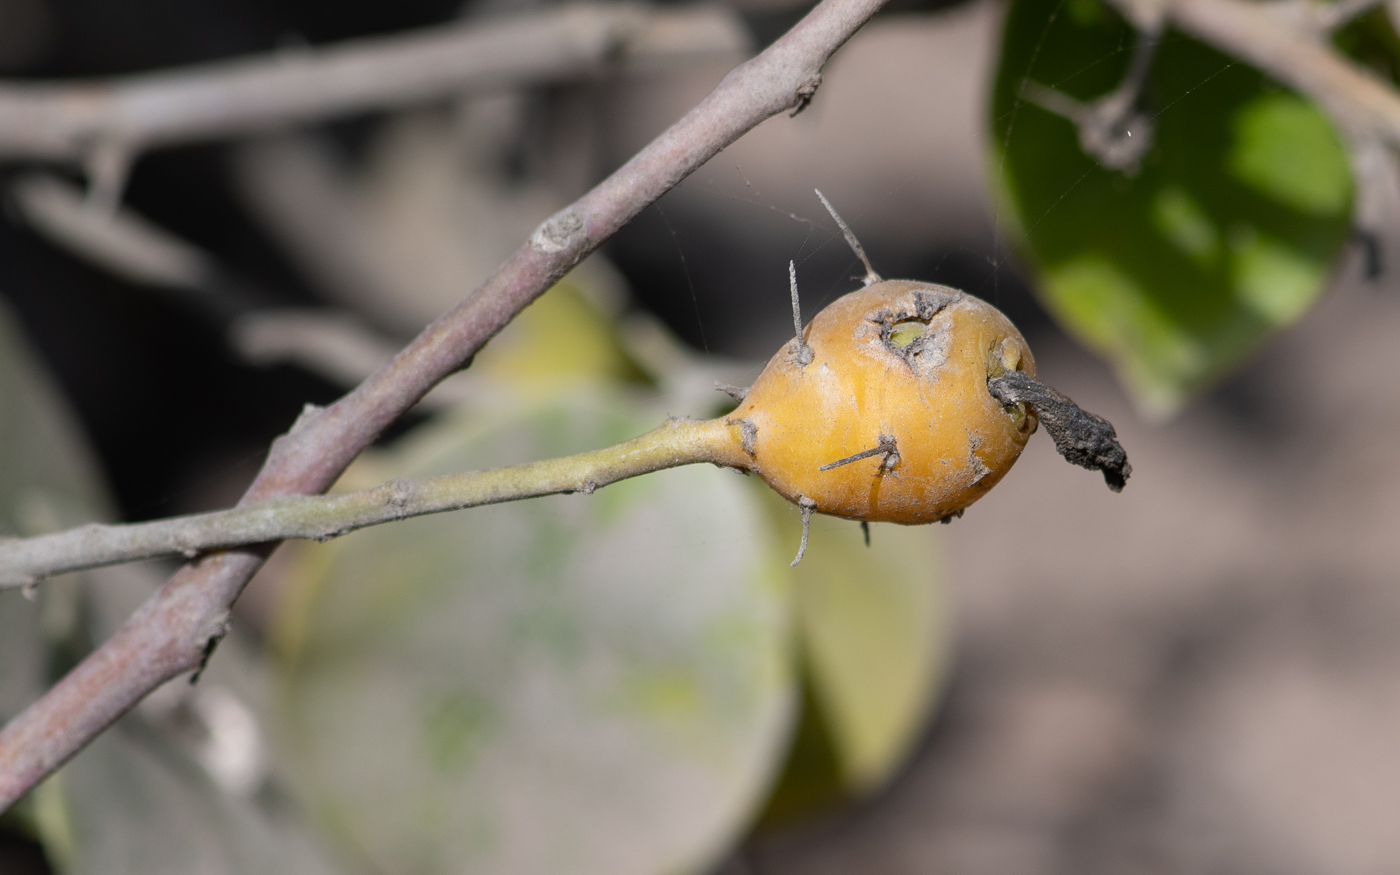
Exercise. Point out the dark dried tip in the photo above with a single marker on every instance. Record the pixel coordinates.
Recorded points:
(1081, 437)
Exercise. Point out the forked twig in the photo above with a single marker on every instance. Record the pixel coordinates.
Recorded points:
(1111, 129)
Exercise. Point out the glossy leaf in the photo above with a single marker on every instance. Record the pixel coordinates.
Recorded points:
(575, 683)
(1225, 234)
(561, 337)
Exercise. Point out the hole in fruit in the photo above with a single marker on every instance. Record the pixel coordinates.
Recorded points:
(1020, 417)
(1010, 354)
(922, 345)
(903, 334)
(1003, 357)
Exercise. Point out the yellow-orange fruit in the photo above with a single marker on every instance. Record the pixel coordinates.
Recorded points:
(895, 373)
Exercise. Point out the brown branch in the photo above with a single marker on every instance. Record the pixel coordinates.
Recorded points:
(175, 630)
(104, 122)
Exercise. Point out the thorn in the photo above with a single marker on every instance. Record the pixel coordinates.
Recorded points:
(804, 351)
(865, 529)
(870, 275)
(807, 506)
(30, 589)
(887, 448)
(735, 392)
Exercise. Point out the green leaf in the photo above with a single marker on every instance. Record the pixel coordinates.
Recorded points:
(875, 633)
(561, 337)
(575, 683)
(1225, 235)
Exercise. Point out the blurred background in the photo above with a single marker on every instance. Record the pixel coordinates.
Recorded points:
(1198, 675)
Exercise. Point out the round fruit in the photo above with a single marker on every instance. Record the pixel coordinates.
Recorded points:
(881, 411)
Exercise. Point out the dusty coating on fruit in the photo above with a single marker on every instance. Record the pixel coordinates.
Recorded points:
(899, 367)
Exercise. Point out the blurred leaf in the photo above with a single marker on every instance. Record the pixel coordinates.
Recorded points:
(811, 781)
(21, 653)
(576, 683)
(155, 795)
(47, 480)
(428, 214)
(561, 336)
(1226, 234)
(135, 801)
(875, 639)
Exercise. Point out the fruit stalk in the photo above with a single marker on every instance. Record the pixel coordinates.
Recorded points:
(26, 561)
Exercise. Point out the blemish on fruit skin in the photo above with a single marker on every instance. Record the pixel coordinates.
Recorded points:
(979, 468)
(748, 435)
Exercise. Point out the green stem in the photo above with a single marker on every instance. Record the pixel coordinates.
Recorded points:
(25, 561)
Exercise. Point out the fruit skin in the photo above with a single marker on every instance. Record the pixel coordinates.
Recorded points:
(901, 360)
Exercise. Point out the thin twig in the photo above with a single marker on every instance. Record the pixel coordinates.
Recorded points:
(24, 561)
(172, 632)
(1111, 129)
(118, 240)
(871, 277)
(330, 343)
(122, 116)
